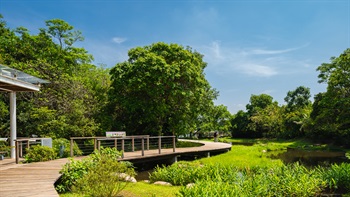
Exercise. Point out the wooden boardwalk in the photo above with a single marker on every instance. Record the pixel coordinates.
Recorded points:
(37, 179)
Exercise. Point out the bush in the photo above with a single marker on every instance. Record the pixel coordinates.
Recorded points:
(4, 147)
(71, 173)
(39, 153)
(97, 173)
(62, 142)
(104, 179)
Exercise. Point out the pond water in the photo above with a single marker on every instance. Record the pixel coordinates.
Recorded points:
(310, 158)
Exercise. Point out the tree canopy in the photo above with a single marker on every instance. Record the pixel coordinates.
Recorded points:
(70, 105)
(160, 90)
(330, 118)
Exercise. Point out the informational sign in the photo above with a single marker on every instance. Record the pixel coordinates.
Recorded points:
(115, 133)
(46, 142)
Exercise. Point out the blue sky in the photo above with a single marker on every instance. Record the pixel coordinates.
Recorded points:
(251, 46)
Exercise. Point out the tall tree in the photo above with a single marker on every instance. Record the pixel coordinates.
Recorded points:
(161, 89)
(69, 104)
(298, 110)
(298, 98)
(330, 117)
(258, 102)
(216, 118)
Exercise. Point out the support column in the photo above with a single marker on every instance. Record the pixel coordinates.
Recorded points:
(13, 124)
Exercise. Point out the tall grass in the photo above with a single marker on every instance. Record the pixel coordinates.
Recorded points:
(229, 180)
(248, 171)
(337, 177)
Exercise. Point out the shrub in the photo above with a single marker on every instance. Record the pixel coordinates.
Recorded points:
(62, 142)
(4, 147)
(71, 173)
(96, 174)
(39, 153)
(105, 178)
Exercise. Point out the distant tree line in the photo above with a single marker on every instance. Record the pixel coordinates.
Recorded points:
(160, 90)
(326, 119)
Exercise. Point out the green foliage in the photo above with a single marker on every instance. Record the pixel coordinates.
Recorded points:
(215, 118)
(182, 144)
(62, 146)
(292, 180)
(71, 173)
(180, 173)
(299, 98)
(337, 177)
(330, 118)
(257, 102)
(71, 104)
(39, 153)
(160, 90)
(4, 147)
(96, 173)
(105, 178)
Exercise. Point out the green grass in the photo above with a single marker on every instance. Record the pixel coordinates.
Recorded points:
(241, 157)
(304, 144)
(141, 189)
(250, 156)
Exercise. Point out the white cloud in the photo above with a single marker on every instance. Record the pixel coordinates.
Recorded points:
(273, 52)
(257, 70)
(118, 40)
(250, 61)
(105, 52)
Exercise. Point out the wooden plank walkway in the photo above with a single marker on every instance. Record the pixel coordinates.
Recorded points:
(37, 179)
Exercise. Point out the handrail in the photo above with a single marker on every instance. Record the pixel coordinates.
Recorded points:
(145, 143)
(97, 142)
(19, 146)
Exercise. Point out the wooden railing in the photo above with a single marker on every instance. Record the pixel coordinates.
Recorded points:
(144, 143)
(24, 142)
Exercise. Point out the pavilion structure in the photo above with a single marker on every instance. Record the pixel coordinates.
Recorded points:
(13, 81)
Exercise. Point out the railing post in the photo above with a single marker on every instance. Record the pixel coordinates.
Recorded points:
(20, 147)
(116, 144)
(71, 147)
(174, 144)
(28, 145)
(132, 144)
(17, 152)
(143, 146)
(159, 145)
(123, 148)
(148, 142)
(99, 145)
(95, 143)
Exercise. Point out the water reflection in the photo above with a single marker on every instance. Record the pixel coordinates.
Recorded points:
(309, 158)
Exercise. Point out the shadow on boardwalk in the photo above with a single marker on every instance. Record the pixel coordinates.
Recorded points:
(37, 179)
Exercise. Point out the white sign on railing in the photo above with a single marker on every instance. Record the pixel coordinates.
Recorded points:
(115, 133)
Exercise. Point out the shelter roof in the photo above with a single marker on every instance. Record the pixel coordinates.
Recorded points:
(12, 80)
